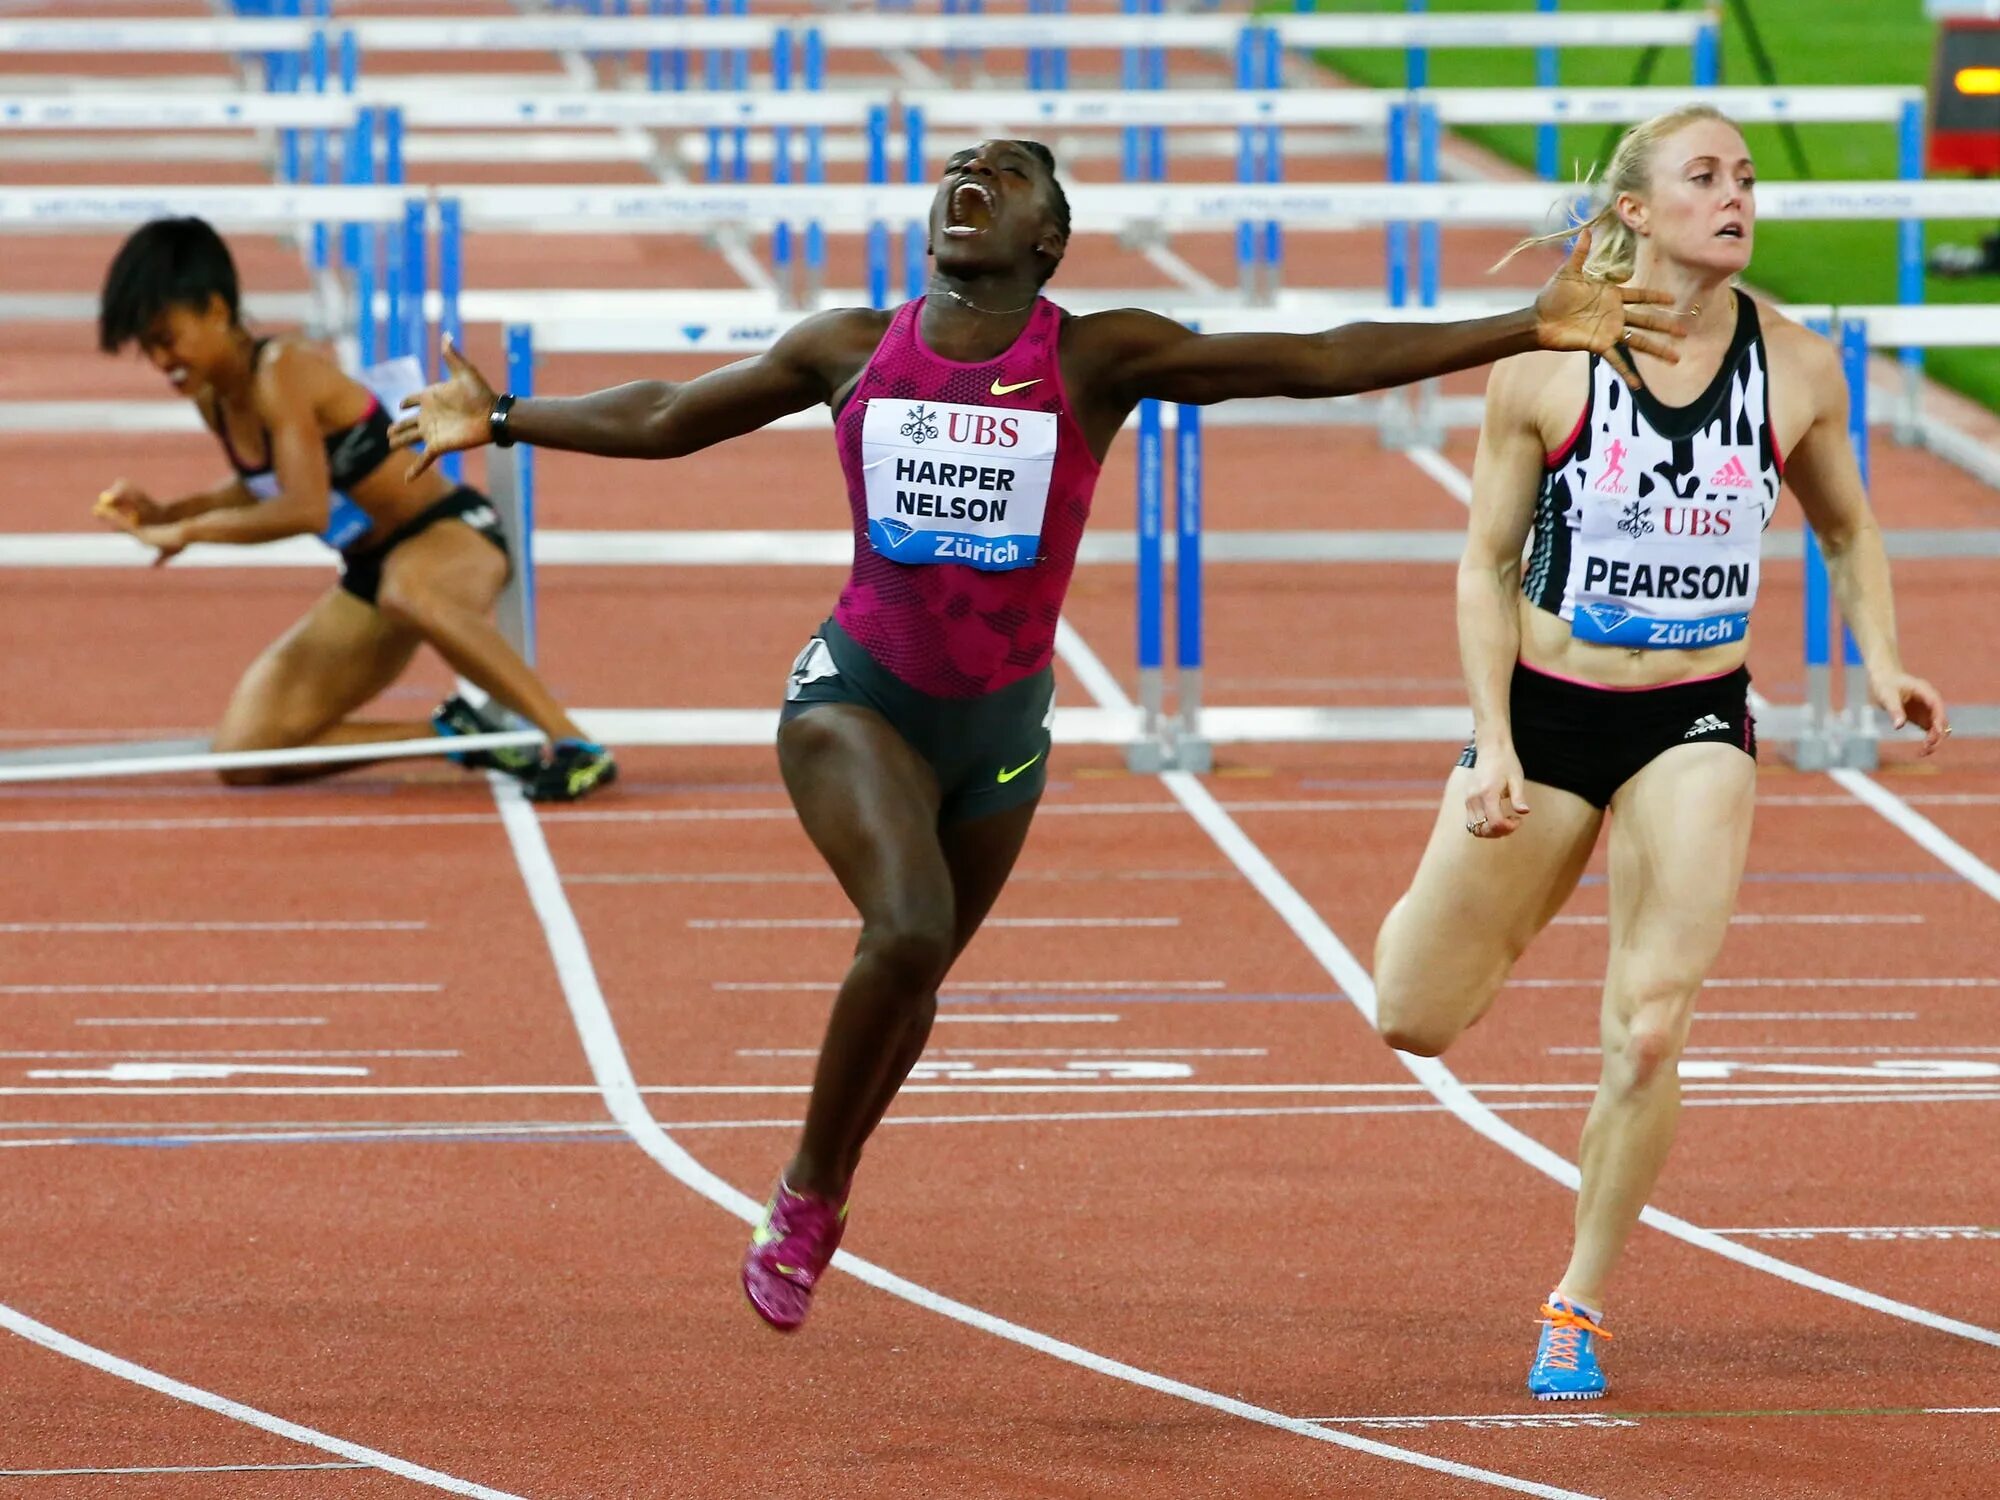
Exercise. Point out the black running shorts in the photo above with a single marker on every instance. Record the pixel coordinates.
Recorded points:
(361, 571)
(990, 753)
(1592, 740)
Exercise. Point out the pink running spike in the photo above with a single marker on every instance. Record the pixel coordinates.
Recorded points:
(789, 1253)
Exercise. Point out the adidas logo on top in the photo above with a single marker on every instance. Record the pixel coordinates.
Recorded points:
(1731, 476)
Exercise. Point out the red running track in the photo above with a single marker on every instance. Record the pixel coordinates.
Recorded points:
(1167, 1137)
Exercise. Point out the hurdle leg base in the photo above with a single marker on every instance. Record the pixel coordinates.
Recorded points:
(1196, 755)
(1151, 757)
(1817, 750)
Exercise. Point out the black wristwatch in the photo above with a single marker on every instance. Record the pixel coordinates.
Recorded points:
(496, 422)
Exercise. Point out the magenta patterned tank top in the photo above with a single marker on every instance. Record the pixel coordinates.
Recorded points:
(970, 486)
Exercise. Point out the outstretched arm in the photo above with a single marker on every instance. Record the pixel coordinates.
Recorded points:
(1163, 360)
(647, 418)
(1823, 473)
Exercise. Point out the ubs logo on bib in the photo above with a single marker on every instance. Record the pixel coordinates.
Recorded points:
(920, 426)
(981, 429)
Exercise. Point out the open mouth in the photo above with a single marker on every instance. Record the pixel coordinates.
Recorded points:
(969, 210)
(1730, 232)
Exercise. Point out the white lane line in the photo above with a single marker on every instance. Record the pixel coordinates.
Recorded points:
(608, 1063)
(276, 988)
(112, 927)
(1359, 986)
(1049, 809)
(1776, 919)
(178, 1469)
(1806, 1015)
(57, 1342)
(1953, 855)
(1456, 482)
(802, 877)
(1874, 1232)
(994, 986)
(1029, 1052)
(1576, 1418)
(199, 1021)
(1877, 1051)
(757, 924)
(1045, 1019)
(182, 1135)
(1828, 982)
(189, 1052)
(725, 1090)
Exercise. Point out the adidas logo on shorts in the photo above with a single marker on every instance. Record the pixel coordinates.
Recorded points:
(1706, 724)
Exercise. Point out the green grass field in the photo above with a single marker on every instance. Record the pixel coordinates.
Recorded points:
(1810, 42)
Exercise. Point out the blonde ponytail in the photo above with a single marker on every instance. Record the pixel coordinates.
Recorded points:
(1614, 247)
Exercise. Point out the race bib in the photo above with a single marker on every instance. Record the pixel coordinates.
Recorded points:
(947, 483)
(346, 522)
(1666, 576)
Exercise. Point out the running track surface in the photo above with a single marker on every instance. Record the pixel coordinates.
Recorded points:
(347, 1161)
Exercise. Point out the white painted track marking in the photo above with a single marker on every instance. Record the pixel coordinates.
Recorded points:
(620, 1090)
(1359, 986)
(1934, 841)
(57, 1342)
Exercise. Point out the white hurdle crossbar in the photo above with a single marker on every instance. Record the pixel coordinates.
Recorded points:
(874, 33)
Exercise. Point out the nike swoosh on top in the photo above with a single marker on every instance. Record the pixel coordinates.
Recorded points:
(998, 389)
(1007, 776)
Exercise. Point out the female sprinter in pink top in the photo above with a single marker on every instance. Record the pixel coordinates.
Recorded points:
(970, 425)
(1608, 673)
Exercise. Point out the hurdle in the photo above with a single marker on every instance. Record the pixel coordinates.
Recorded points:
(1140, 36)
(1849, 734)
(398, 212)
(1173, 729)
(1153, 736)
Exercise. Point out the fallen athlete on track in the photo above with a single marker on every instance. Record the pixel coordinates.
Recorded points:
(422, 559)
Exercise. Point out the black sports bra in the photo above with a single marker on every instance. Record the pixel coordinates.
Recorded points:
(352, 454)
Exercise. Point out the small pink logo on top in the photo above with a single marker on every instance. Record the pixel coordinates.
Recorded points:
(1731, 476)
(1612, 480)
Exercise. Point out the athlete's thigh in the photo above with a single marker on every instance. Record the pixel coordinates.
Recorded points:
(869, 803)
(448, 560)
(1680, 830)
(337, 657)
(1476, 903)
(980, 853)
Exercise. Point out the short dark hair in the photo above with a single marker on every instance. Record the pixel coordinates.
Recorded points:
(1058, 199)
(167, 263)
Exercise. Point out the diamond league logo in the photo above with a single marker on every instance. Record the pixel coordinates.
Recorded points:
(898, 532)
(1606, 617)
(920, 426)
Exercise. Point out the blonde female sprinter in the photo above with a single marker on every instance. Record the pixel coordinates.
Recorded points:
(1608, 673)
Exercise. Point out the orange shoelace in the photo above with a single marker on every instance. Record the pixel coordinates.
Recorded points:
(1566, 1330)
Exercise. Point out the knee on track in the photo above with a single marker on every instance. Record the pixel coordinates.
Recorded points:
(262, 739)
(249, 776)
